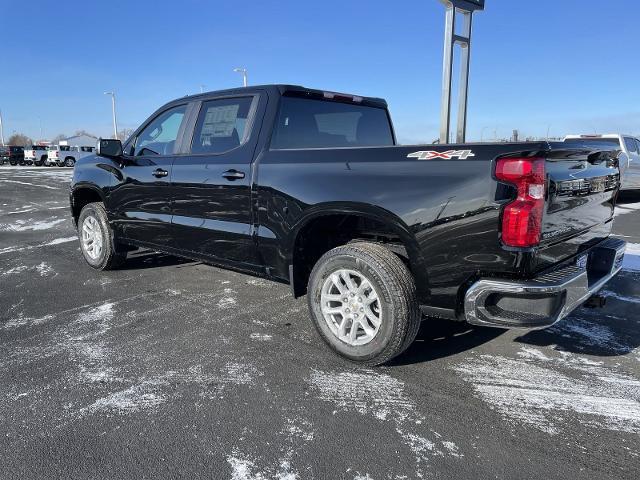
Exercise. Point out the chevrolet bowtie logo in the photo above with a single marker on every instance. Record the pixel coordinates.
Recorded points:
(448, 155)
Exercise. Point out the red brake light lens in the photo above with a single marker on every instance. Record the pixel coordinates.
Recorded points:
(522, 218)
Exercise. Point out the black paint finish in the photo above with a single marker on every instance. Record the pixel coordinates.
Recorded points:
(445, 213)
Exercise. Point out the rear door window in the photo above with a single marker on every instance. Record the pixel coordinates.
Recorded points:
(311, 123)
(222, 125)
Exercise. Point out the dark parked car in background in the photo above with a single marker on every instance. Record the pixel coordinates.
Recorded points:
(310, 188)
(12, 154)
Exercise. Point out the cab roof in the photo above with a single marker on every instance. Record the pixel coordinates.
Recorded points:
(295, 90)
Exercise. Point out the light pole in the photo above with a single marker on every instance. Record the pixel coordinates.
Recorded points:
(1, 130)
(243, 71)
(113, 109)
(202, 88)
(482, 134)
(40, 124)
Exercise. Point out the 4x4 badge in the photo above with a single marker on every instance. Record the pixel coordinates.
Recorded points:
(448, 155)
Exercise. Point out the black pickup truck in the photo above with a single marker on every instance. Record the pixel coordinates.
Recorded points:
(309, 188)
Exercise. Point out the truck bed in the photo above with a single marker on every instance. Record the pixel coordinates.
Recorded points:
(447, 204)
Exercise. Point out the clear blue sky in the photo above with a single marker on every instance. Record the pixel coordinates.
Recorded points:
(570, 64)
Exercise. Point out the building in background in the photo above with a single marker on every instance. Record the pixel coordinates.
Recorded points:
(83, 140)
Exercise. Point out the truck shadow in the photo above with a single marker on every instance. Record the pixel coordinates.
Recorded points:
(628, 196)
(439, 338)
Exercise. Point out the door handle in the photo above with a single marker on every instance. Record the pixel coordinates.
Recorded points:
(159, 173)
(233, 174)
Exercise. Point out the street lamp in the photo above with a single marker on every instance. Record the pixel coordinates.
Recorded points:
(482, 134)
(1, 130)
(243, 71)
(113, 109)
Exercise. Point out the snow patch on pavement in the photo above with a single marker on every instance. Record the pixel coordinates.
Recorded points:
(366, 392)
(383, 397)
(31, 225)
(45, 270)
(48, 187)
(532, 390)
(16, 270)
(244, 468)
(227, 301)
(21, 321)
(623, 209)
(262, 337)
(56, 241)
(143, 396)
(590, 334)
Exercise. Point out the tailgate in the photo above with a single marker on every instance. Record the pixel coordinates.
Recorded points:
(581, 194)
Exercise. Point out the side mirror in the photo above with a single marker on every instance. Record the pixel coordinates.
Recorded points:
(108, 147)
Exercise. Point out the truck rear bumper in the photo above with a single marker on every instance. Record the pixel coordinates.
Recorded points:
(542, 301)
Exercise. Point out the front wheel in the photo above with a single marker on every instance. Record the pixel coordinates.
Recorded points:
(69, 162)
(362, 300)
(96, 238)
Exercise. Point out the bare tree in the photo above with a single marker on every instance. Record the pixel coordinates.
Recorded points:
(84, 132)
(56, 140)
(19, 140)
(124, 134)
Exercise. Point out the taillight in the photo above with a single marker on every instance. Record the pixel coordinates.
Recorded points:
(522, 218)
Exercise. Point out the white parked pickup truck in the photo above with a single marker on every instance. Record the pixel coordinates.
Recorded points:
(35, 154)
(67, 155)
(628, 144)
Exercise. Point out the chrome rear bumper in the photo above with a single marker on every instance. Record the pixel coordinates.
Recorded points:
(542, 301)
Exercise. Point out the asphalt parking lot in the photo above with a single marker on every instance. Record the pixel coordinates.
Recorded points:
(168, 368)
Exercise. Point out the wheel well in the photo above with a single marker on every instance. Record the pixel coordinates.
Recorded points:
(82, 197)
(330, 231)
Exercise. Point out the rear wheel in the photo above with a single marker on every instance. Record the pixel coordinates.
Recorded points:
(362, 300)
(97, 239)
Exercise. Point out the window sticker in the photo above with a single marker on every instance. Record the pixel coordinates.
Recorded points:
(220, 121)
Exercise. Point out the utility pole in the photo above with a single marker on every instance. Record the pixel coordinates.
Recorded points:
(451, 39)
(1, 130)
(243, 71)
(113, 110)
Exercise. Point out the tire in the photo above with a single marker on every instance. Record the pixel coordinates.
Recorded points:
(13, 163)
(396, 308)
(69, 162)
(94, 215)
